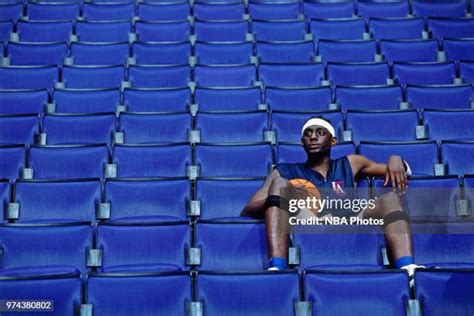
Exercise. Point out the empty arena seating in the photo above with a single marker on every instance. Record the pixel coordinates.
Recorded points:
(219, 11)
(369, 98)
(164, 76)
(19, 129)
(85, 101)
(374, 9)
(157, 100)
(11, 11)
(232, 99)
(227, 31)
(440, 97)
(279, 30)
(338, 29)
(93, 77)
(392, 29)
(13, 161)
(162, 31)
(156, 11)
(42, 31)
(37, 54)
(113, 31)
(297, 75)
(294, 52)
(224, 53)
(451, 28)
(27, 77)
(108, 12)
(449, 124)
(23, 101)
(416, 51)
(6, 28)
(458, 49)
(225, 76)
(301, 100)
(443, 9)
(424, 73)
(347, 51)
(274, 11)
(53, 11)
(328, 10)
(99, 54)
(358, 73)
(455, 156)
(467, 71)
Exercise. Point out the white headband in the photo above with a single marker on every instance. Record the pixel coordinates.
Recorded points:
(319, 122)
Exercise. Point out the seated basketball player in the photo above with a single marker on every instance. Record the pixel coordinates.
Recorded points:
(317, 137)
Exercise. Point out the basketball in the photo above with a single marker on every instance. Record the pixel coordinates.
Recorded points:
(309, 190)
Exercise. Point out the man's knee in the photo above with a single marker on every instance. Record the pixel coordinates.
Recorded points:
(387, 204)
(277, 186)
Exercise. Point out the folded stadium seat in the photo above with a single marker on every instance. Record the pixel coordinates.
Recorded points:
(457, 156)
(222, 31)
(291, 30)
(58, 31)
(449, 124)
(93, 77)
(162, 53)
(155, 128)
(108, 11)
(219, 11)
(158, 293)
(145, 161)
(164, 31)
(301, 100)
(37, 53)
(68, 162)
(358, 73)
(468, 185)
(99, 54)
(274, 11)
(147, 199)
(296, 75)
(329, 10)
(23, 101)
(163, 11)
(157, 100)
(441, 9)
(163, 76)
(467, 71)
(409, 50)
(389, 125)
(44, 249)
(57, 201)
(440, 97)
(451, 28)
(458, 49)
(248, 293)
(11, 11)
(228, 99)
(4, 192)
(49, 11)
(19, 129)
(373, 9)
(287, 125)
(338, 29)
(225, 76)
(424, 73)
(140, 247)
(85, 101)
(336, 293)
(233, 161)
(442, 292)
(223, 53)
(13, 159)
(28, 77)
(369, 98)
(294, 153)
(387, 29)
(6, 29)
(109, 31)
(285, 53)
(347, 51)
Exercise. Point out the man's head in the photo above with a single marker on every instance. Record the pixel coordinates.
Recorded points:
(317, 136)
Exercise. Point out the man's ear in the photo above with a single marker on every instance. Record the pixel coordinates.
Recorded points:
(333, 141)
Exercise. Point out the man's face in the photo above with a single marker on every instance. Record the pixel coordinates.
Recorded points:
(316, 139)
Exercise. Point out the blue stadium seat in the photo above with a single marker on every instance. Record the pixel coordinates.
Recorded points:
(166, 31)
(442, 9)
(100, 54)
(158, 100)
(219, 11)
(424, 73)
(19, 129)
(285, 53)
(166, 76)
(340, 29)
(246, 127)
(23, 101)
(6, 28)
(297, 76)
(4, 191)
(410, 28)
(457, 156)
(227, 31)
(220, 198)
(451, 28)
(279, 30)
(301, 100)
(467, 71)
(287, 125)
(390, 125)
(274, 11)
(225, 76)
(113, 31)
(369, 98)
(48, 11)
(468, 185)
(144, 161)
(333, 293)
(86, 101)
(294, 153)
(162, 53)
(147, 199)
(347, 51)
(440, 97)
(155, 128)
(37, 54)
(11, 11)
(459, 49)
(328, 10)
(389, 9)
(68, 162)
(421, 156)
(54, 201)
(228, 99)
(163, 11)
(28, 77)
(445, 292)
(108, 12)
(358, 73)
(143, 246)
(445, 124)
(223, 53)
(409, 50)
(233, 161)
(44, 31)
(92, 77)
(158, 294)
(58, 248)
(13, 159)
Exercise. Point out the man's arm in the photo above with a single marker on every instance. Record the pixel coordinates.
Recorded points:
(256, 205)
